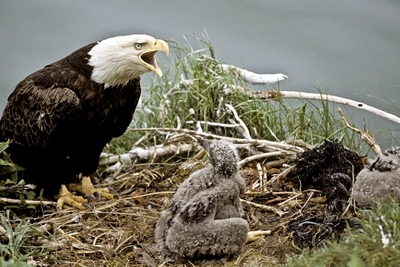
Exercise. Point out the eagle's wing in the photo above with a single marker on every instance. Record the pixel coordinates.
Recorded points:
(39, 114)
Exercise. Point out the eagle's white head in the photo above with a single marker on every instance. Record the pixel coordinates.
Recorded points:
(117, 60)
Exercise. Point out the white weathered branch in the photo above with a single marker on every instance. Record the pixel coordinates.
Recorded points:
(273, 95)
(264, 155)
(273, 144)
(215, 124)
(162, 150)
(366, 136)
(264, 207)
(240, 121)
(255, 78)
(141, 153)
(198, 124)
(177, 87)
(28, 202)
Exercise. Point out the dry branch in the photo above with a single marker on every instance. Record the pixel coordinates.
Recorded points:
(215, 124)
(264, 207)
(28, 202)
(177, 87)
(255, 78)
(272, 144)
(272, 95)
(141, 153)
(266, 79)
(265, 155)
(366, 136)
(246, 133)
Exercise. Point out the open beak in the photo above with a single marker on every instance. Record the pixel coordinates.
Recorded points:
(148, 57)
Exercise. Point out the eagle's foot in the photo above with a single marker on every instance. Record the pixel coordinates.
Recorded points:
(87, 189)
(66, 197)
(256, 235)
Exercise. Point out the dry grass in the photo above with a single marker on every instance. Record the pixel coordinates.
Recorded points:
(119, 232)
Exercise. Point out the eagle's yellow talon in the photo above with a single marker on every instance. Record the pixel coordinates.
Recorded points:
(86, 188)
(66, 197)
(256, 235)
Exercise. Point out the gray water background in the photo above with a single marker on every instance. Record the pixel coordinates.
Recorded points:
(350, 47)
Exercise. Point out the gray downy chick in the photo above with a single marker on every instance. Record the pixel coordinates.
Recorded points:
(379, 181)
(204, 220)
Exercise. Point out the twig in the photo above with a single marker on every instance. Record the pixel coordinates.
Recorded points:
(275, 163)
(308, 199)
(153, 157)
(18, 188)
(290, 199)
(264, 155)
(28, 202)
(263, 176)
(152, 194)
(216, 124)
(242, 124)
(366, 136)
(198, 124)
(177, 87)
(3, 232)
(141, 140)
(282, 174)
(264, 207)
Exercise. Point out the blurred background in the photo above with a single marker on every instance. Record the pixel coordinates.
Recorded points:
(351, 48)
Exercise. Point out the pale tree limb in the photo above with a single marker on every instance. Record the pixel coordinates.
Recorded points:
(262, 177)
(366, 136)
(141, 153)
(264, 207)
(215, 124)
(255, 78)
(28, 202)
(240, 121)
(265, 155)
(273, 144)
(245, 75)
(273, 95)
(175, 88)
(194, 118)
(266, 79)
(281, 175)
(3, 232)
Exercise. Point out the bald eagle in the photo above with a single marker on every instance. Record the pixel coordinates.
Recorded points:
(60, 118)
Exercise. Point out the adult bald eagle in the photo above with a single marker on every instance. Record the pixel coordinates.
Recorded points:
(60, 118)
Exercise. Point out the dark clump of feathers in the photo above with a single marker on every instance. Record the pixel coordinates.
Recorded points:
(329, 168)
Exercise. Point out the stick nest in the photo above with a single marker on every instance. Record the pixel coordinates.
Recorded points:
(302, 199)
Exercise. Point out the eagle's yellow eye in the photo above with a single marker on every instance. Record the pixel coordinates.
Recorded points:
(138, 46)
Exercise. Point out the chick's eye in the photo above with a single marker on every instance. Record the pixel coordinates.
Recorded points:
(138, 46)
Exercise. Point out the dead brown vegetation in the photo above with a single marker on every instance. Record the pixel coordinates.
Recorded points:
(120, 232)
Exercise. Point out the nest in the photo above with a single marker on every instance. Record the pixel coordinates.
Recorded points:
(301, 199)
